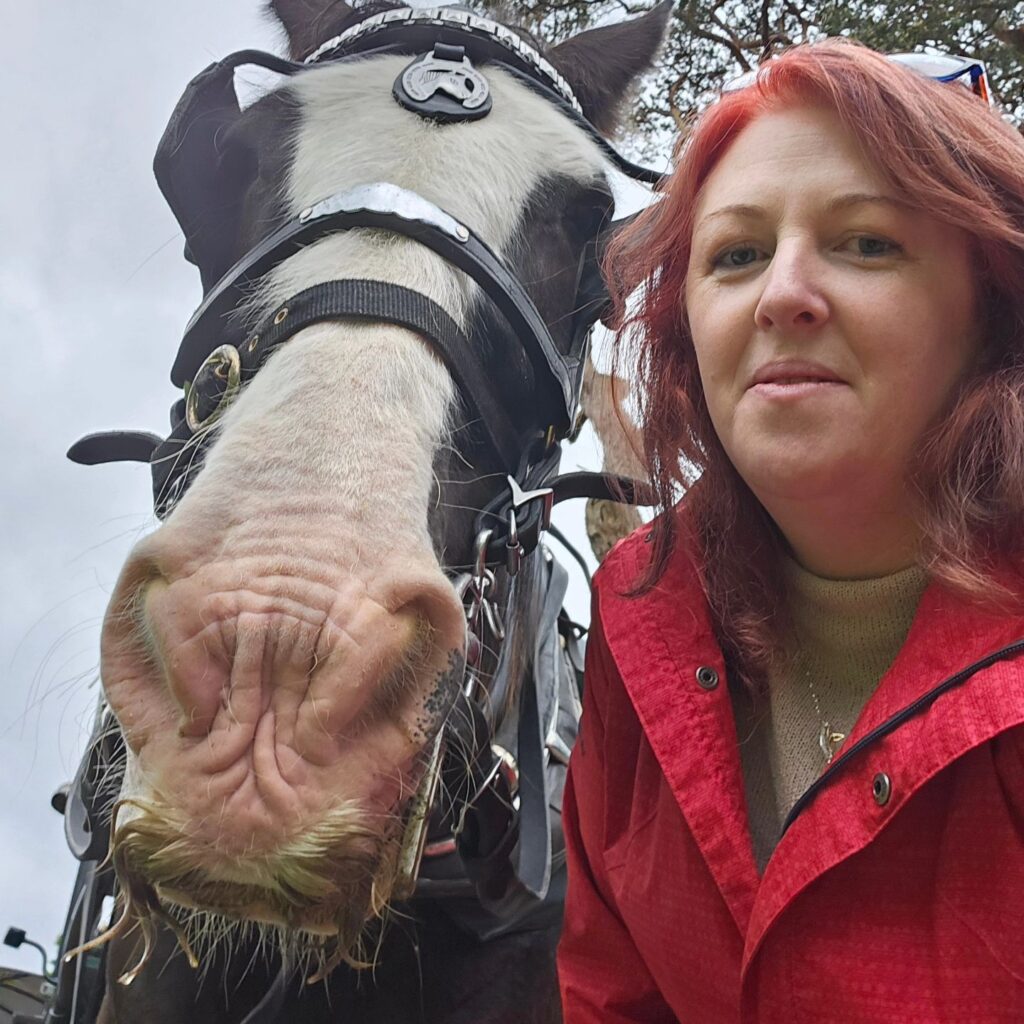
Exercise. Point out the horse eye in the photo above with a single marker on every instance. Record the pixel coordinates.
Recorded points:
(591, 212)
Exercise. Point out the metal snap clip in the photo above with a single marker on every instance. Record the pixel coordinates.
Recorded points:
(513, 549)
(707, 677)
(475, 592)
(881, 789)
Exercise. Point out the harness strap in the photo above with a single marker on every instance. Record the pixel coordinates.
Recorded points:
(506, 848)
(385, 206)
(381, 302)
(176, 460)
(538, 705)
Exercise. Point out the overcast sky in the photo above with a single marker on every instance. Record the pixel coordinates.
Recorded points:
(93, 297)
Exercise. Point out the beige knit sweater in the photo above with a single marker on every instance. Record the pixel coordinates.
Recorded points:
(845, 635)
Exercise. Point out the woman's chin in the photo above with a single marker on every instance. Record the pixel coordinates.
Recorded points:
(800, 474)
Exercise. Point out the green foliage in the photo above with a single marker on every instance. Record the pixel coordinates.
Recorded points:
(712, 42)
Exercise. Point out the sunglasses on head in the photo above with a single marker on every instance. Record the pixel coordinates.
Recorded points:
(948, 68)
(941, 67)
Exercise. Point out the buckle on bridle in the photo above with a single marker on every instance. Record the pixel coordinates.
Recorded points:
(214, 388)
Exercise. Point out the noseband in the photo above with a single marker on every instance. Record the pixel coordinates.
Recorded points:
(218, 356)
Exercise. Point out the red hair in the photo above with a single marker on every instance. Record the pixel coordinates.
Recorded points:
(941, 150)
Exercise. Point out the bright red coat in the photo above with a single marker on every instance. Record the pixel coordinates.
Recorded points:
(908, 909)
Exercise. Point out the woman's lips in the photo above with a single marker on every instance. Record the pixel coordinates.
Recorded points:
(795, 388)
(792, 379)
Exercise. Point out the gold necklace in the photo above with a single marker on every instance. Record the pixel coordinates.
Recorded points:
(828, 738)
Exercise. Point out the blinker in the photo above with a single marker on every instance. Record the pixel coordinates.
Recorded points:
(444, 86)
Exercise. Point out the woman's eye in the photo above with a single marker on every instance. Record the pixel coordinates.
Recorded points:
(871, 246)
(738, 257)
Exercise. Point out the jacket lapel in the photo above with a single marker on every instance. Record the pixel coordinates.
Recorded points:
(659, 642)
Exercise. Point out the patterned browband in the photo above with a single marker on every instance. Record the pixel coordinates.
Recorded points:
(373, 32)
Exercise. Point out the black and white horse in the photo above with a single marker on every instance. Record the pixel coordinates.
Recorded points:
(282, 654)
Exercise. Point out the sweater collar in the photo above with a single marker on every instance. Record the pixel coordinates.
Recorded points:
(852, 627)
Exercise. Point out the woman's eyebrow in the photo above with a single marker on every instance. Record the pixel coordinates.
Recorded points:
(752, 211)
(862, 198)
(733, 210)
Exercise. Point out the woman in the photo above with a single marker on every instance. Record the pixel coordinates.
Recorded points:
(831, 350)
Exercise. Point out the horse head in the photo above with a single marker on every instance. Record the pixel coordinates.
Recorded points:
(283, 651)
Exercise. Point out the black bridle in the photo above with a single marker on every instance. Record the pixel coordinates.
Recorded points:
(218, 355)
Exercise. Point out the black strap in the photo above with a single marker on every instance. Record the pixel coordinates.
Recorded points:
(388, 207)
(530, 520)
(507, 851)
(419, 37)
(382, 302)
(647, 175)
(178, 458)
(538, 699)
(114, 446)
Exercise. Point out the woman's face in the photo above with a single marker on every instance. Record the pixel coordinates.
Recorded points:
(830, 323)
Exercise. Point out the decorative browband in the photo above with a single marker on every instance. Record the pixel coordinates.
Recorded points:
(450, 17)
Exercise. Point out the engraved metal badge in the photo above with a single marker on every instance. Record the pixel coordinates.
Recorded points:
(444, 86)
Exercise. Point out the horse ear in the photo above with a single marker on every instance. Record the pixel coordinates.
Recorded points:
(602, 63)
(309, 22)
(205, 169)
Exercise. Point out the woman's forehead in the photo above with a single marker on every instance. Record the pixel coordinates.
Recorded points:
(791, 155)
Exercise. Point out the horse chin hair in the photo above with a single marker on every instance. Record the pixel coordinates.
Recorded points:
(309, 901)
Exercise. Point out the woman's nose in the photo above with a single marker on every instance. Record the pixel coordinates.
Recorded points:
(793, 294)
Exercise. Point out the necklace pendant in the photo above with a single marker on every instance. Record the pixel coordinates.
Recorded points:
(829, 740)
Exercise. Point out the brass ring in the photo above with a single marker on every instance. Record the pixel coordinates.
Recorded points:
(281, 315)
(225, 364)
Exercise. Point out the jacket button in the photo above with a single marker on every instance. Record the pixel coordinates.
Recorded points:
(707, 677)
(881, 789)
